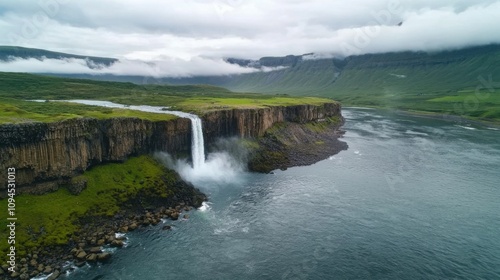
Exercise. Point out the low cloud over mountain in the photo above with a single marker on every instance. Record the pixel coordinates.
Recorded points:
(192, 37)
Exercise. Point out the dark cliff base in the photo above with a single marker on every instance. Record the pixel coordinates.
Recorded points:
(293, 144)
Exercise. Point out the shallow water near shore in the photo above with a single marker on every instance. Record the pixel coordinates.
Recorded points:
(412, 198)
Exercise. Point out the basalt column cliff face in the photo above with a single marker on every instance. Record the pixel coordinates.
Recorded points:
(46, 155)
(254, 122)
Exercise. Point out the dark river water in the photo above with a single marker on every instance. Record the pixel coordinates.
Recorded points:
(411, 198)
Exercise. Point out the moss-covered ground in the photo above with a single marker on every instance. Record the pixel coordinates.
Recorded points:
(51, 219)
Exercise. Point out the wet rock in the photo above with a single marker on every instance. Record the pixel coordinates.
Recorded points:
(101, 242)
(91, 257)
(24, 276)
(121, 238)
(40, 268)
(110, 239)
(95, 250)
(54, 275)
(167, 227)
(117, 243)
(33, 263)
(186, 216)
(102, 257)
(174, 216)
(81, 255)
(133, 226)
(14, 274)
(124, 229)
(47, 270)
(80, 264)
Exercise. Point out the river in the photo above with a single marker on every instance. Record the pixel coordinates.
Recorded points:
(411, 198)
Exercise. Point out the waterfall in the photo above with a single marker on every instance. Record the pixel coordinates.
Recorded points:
(197, 143)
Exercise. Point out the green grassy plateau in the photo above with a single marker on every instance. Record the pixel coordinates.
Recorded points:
(16, 89)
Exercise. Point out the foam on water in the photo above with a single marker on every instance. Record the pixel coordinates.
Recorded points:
(204, 207)
(416, 133)
(466, 127)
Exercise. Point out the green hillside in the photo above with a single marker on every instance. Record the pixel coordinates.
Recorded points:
(461, 82)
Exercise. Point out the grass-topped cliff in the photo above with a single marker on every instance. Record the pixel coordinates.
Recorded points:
(16, 89)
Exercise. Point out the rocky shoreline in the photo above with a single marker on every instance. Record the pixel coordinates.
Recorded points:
(100, 232)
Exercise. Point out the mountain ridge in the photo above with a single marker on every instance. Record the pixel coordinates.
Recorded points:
(8, 53)
(450, 82)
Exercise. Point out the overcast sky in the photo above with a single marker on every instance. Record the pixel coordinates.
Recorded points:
(196, 34)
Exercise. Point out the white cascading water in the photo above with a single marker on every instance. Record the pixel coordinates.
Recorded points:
(197, 143)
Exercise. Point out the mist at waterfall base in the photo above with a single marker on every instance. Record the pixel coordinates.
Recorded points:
(225, 164)
(412, 198)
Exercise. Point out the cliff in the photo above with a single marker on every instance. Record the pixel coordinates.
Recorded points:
(247, 123)
(46, 155)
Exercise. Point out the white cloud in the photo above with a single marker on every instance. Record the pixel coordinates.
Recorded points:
(201, 32)
(172, 67)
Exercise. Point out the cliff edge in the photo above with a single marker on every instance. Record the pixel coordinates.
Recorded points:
(47, 155)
